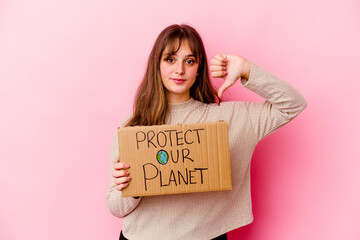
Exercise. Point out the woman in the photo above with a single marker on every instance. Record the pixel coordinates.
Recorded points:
(176, 89)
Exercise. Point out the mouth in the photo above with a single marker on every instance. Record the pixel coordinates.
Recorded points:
(178, 80)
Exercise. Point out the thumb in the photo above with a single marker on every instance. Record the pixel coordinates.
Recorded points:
(223, 87)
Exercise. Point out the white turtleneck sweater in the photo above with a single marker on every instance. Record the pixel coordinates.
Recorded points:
(209, 214)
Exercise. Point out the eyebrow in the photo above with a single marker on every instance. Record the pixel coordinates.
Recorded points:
(170, 54)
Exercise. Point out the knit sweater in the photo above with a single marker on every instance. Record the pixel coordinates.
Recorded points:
(206, 215)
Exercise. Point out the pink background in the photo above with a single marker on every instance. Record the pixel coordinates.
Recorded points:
(69, 71)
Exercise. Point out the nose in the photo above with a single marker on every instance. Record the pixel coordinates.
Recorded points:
(180, 68)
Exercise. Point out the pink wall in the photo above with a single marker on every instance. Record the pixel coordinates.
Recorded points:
(69, 71)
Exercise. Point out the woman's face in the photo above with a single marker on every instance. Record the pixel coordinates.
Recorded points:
(178, 72)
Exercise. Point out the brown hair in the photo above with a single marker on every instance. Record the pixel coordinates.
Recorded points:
(151, 105)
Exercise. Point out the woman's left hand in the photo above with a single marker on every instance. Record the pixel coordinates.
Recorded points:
(230, 68)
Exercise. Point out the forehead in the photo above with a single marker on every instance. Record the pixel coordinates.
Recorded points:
(173, 47)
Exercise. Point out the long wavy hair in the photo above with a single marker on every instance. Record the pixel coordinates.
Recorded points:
(151, 106)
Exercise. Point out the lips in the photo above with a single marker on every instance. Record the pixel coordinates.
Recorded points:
(178, 80)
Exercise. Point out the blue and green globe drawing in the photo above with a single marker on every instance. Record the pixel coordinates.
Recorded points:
(162, 156)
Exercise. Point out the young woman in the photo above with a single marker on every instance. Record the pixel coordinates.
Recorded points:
(176, 89)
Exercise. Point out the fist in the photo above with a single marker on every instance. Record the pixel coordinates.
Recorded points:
(230, 68)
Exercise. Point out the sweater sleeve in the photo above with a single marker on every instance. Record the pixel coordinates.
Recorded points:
(119, 206)
(283, 102)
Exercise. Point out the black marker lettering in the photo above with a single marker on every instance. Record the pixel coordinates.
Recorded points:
(187, 154)
(157, 137)
(137, 139)
(172, 177)
(178, 138)
(177, 156)
(161, 184)
(187, 177)
(149, 139)
(197, 132)
(169, 131)
(191, 176)
(201, 169)
(189, 130)
(145, 177)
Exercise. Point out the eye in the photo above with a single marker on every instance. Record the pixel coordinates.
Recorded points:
(190, 61)
(169, 59)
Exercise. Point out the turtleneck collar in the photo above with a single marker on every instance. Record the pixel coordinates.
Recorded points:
(183, 106)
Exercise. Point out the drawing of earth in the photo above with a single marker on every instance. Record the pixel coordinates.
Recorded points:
(162, 156)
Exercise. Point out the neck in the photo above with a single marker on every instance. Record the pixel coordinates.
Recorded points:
(171, 98)
(183, 106)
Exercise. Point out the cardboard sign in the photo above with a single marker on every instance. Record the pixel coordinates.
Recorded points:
(169, 159)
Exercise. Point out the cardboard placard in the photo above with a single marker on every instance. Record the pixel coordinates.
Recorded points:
(169, 159)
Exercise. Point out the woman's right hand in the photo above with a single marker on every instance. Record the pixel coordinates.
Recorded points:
(121, 176)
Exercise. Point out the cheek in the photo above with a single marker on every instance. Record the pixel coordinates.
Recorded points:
(161, 70)
(193, 72)
(164, 71)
